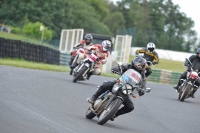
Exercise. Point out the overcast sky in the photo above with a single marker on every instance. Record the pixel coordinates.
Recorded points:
(191, 8)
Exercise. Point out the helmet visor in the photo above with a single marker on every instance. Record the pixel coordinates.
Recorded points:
(151, 49)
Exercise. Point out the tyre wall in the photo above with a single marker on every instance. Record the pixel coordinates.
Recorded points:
(31, 52)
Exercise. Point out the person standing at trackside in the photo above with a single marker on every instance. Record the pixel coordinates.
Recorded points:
(195, 60)
(82, 44)
(150, 55)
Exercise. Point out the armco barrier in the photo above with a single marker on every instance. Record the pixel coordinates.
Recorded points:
(155, 76)
(27, 51)
(64, 59)
(164, 76)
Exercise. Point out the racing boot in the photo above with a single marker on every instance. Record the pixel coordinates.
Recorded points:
(114, 116)
(192, 95)
(89, 75)
(73, 65)
(71, 71)
(177, 88)
(94, 97)
(71, 60)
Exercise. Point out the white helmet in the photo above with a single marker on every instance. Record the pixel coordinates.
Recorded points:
(106, 44)
(151, 47)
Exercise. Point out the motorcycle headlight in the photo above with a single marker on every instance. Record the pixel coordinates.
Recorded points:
(127, 89)
(116, 87)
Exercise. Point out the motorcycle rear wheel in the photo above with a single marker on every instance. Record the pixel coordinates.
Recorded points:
(89, 114)
(110, 111)
(182, 96)
(79, 75)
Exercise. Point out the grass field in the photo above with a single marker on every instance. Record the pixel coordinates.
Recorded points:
(32, 65)
(175, 66)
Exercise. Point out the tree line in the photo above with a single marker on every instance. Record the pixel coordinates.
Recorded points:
(158, 21)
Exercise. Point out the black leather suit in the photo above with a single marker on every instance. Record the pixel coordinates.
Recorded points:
(195, 60)
(128, 104)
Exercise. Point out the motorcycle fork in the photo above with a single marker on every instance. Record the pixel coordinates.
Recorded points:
(75, 59)
(111, 99)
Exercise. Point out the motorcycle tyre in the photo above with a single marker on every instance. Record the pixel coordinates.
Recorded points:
(78, 76)
(183, 95)
(116, 103)
(89, 114)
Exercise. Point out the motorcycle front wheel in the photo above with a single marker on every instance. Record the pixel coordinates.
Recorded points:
(184, 93)
(79, 75)
(110, 111)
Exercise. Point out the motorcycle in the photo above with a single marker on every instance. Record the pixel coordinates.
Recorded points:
(85, 67)
(107, 104)
(188, 85)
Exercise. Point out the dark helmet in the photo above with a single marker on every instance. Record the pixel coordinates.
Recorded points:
(88, 39)
(139, 63)
(106, 45)
(198, 51)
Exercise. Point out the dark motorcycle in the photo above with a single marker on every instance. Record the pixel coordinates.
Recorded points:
(85, 67)
(188, 84)
(108, 103)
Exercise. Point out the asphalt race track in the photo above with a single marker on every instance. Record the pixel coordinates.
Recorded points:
(35, 101)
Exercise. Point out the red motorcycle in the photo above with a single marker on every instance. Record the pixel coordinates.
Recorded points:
(85, 67)
(188, 84)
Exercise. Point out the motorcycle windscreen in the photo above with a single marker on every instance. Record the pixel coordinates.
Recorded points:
(131, 76)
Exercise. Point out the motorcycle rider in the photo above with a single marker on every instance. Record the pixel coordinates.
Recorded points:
(195, 60)
(82, 44)
(101, 51)
(150, 55)
(137, 64)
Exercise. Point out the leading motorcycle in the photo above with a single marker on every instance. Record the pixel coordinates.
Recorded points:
(188, 85)
(107, 104)
(85, 67)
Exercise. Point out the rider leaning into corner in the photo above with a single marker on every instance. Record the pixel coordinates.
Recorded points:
(101, 51)
(82, 44)
(195, 60)
(150, 55)
(87, 42)
(137, 64)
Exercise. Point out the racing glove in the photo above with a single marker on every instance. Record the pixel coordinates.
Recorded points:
(141, 92)
(115, 70)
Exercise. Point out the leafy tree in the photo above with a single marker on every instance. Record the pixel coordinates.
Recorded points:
(33, 29)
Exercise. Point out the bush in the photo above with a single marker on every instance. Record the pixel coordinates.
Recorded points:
(33, 29)
(15, 30)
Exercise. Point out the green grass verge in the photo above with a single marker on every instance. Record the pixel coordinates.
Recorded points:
(24, 39)
(32, 65)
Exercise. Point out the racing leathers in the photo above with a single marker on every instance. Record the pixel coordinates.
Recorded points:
(81, 44)
(102, 58)
(149, 56)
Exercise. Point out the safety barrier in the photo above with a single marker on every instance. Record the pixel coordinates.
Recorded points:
(17, 49)
(164, 76)
(64, 59)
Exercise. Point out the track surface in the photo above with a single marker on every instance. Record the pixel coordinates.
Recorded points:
(35, 101)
